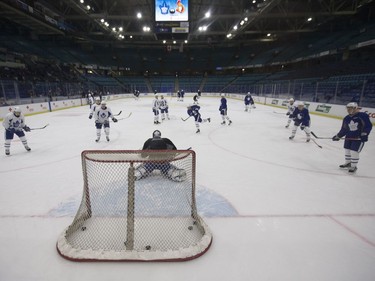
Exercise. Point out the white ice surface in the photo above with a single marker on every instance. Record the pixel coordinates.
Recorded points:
(278, 209)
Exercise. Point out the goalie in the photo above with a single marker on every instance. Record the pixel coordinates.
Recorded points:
(167, 169)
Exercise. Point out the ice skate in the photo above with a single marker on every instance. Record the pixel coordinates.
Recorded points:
(291, 137)
(209, 120)
(7, 152)
(198, 131)
(230, 122)
(107, 137)
(97, 139)
(27, 148)
(346, 165)
(287, 126)
(352, 170)
(223, 123)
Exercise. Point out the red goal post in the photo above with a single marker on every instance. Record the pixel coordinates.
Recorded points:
(137, 205)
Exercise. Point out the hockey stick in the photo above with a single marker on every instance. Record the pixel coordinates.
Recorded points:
(329, 138)
(317, 143)
(185, 119)
(118, 113)
(279, 112)
(125, 117)
(41, 128)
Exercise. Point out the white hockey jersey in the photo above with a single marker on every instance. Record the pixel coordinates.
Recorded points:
(13, 122)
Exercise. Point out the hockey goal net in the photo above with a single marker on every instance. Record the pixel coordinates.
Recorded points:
(136, 206)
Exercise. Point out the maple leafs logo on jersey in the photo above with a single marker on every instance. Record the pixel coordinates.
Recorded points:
(299, 116)
(103, 115)
(16, 124)
(353, 126)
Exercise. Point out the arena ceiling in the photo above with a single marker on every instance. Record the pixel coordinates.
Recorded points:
(262, 20)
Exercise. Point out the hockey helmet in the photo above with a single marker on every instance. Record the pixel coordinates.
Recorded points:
(353, 105)
(156, 134)
(291, 100)
(16, 111)
(300, 104)
(223, 95)
(103, 104)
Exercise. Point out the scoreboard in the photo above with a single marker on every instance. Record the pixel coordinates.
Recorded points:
(172, 18)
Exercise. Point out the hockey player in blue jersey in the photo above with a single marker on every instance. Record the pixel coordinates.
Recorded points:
(291, 106)
(249, 102)
(167, 169)
(356, 127)
(223, 110)
(301, 119)
(193, 110)
(163, 104)
(102, 116)
(14, 124)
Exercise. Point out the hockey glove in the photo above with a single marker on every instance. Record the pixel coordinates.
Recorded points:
(26, 128)
(288, 113)
(335, 138)
(364, 137)
(114, 120)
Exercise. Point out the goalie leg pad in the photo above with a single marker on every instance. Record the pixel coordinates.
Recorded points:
(140, 172)
(176, 174)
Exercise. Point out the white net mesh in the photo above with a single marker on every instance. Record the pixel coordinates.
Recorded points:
(137, 205)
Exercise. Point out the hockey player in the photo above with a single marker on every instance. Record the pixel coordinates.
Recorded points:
(223, 110)
(163, 108)
(182, 94)
(193, 110)
(178, 95)
(291, 107)
(168, 170)
(356, 127)
(195, 99)
(94, 107)
(301, 119)
(90, 100)
(249, 102)
(102, 115)
(156, 108)
(14, 124)
(199, 93)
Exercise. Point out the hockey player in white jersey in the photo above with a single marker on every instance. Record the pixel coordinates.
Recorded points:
(156, 108)
(14, 124)
(102, 116)
(291, 106)
(95, 106)
(163, 108)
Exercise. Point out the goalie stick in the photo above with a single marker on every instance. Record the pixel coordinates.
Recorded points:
(329, 138)
(185, 119)
(41, 128)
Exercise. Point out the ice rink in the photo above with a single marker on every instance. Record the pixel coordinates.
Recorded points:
(278, 209)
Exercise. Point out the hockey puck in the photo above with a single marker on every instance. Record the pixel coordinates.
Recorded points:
(148, 247)
(190, 227)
